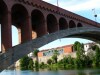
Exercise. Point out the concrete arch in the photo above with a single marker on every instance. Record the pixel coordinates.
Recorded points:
(20, 18)
(63, 23)
(38, 22)
(79, 25)
(51, 23)
(72, 24)
(25, 48)
(82, 32)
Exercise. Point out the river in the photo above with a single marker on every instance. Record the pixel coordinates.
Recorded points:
(58, 72)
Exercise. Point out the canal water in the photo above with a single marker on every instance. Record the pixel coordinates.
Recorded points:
(58, 72)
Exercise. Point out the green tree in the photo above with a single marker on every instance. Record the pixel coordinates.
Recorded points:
(80, 54)
(76, 45)
(96, 60)
(49, 61)
(42, 65)
(35, 53)
(54, 57)
(70, 60)
(94, 47)
(31, 65)
(36, 64)
(24, 62)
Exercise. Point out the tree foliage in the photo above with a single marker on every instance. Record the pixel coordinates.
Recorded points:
(54, 57)
(31, 64)
(35, 53)
(49, 61)
(25, 63)
(36, 64)
(96, 60)
(80, 53)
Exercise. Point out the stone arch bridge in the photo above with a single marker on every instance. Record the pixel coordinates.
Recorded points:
(38, 23)
(13, 54)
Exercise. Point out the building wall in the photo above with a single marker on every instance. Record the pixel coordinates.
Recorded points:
(63, 51)
(44, 55)
(68, 49)
(40, 54)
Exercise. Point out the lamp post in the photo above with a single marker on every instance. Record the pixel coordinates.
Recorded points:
(95, 15)
(57, 5)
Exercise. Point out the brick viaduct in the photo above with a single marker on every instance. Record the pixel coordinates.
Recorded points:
(40, 21)
(35, 18)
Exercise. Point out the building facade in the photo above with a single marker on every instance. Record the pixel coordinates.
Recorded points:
(63, 51)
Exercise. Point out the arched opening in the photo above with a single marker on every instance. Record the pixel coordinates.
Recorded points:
(51, 23)
(79, 25)
(62, 24)
(3, 9)
(38, 24)
(15, 40)
(5, 27)
(20, 20)
(72, 24)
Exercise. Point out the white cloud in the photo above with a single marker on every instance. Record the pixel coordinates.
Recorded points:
(90, 4)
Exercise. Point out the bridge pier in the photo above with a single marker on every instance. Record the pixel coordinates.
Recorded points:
(26, 30)
(6, 31)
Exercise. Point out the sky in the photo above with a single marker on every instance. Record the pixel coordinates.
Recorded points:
(86, 8)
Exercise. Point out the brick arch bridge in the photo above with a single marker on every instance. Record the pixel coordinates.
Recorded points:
(35, 18)
(40, 21)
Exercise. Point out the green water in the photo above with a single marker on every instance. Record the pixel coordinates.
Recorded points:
(58, 72)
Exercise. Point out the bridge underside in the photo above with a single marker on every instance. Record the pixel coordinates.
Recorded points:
(17, 52)
(93, 36)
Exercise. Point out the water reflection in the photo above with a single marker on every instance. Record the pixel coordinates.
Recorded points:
(56, 72)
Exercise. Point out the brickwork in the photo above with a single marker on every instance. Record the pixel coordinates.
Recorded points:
(36, 16)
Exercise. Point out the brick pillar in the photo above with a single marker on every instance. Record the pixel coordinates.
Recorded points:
(6, 34)
(57, 26)
(43, 29)
(46, 29)
(26, 30)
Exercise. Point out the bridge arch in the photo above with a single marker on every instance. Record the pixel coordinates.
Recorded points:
(38, 23)
(63, 23)
(79, 25)
(81, 32)
(72, 24)
(5, 26)
(51, 23)
(20, 19)
(25, 48)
